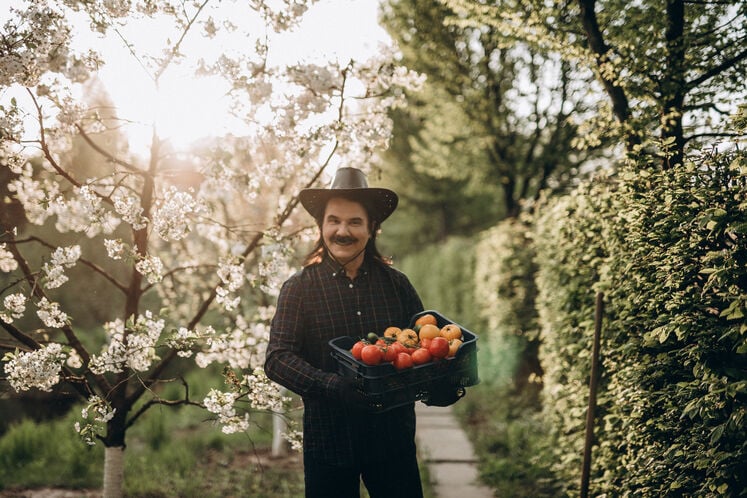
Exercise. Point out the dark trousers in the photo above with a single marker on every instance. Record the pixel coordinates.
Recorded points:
(398, 478)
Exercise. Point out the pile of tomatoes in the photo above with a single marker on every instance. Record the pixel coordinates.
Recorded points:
(405, 348)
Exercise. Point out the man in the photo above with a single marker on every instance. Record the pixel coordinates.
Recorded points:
(346, 288)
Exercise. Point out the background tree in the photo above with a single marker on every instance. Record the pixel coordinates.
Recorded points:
(671, 71)
(194, 243)
(493, 125)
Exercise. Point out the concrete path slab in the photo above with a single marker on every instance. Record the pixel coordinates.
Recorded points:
(451, 460)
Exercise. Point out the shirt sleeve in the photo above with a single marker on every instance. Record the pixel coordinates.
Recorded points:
(284, 362)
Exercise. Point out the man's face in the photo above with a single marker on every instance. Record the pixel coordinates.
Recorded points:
(345, 229)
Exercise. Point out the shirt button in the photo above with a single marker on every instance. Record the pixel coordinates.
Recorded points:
(334, 274)
(358, 313)
(351, 286)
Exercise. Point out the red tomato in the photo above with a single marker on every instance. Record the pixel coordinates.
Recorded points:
(371, 355)
(439, 347)
(356, 349)
(403, 361)
(390, 353)
(397, 347)
(420, 356)
(425, 343)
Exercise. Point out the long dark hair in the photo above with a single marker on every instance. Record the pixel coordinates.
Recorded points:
(317, 252)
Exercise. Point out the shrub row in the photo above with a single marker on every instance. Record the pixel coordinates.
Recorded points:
(669, 251)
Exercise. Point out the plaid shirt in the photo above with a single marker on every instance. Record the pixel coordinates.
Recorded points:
(316, 305)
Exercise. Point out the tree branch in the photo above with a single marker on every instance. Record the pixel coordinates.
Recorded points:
(83, 261)
(105, 153)
(718, 69)
(599, 47)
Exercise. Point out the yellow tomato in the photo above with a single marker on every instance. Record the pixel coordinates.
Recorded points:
(425, 319)
(428, 331)
(451, 331)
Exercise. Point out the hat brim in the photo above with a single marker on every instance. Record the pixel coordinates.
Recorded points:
(380, 201)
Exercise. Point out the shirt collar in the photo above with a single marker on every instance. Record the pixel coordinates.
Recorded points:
(335, 270)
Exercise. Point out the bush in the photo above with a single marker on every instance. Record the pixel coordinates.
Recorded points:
(669, 249)
(36, 454)
(571, 238)
(505, 296)
(678, 383)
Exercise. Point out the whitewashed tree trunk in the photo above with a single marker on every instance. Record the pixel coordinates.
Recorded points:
(279, 444)
(113, 471)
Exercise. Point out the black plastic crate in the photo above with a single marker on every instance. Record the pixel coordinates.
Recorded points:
(385, 387)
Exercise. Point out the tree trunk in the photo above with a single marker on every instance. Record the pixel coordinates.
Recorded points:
(113, 471)
(279, 426)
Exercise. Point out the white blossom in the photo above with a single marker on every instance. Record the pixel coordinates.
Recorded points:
(35, 196)
(50, 313)
(7, 261)
(264, 394)
(95, 414)
(183, 340)
(74, 360)
(241, 348)
(129, 208)
(171, 217)
(39, 368)
(133, 347)
(15, 306)
(223, 297)
(231, 275)
(222, 404)
(115, 249)
(151, 268)
(83, 212)
(62, 257)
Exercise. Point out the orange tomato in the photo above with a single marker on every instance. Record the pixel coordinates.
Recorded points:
(392, 332)
(451, 331)
(428, 331)
(408, 337)
(454, 347)
(425, 319)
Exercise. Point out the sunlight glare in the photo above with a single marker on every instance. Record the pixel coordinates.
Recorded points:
(185, 108)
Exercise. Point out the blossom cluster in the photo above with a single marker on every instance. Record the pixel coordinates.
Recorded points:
(15, 306)
(7, 261)
(151, 267)
(35, 369)
(242, 347)
(263, 394)
(171, 219)
(54, 269)
(222, 404)
(50, 314)
(232, 277)
(132, 346)
(183, 341)
(95, 414)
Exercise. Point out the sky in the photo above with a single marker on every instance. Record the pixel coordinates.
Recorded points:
(187, 107)
(342, 29)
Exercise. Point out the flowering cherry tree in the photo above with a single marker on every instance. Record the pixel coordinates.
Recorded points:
(196, 255)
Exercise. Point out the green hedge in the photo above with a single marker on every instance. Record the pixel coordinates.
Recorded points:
(669, 250)
(505, 294)
(571, 243)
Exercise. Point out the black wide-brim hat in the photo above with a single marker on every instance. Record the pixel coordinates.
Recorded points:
(351, 184)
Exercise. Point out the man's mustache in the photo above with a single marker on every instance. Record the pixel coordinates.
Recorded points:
(344, 240)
